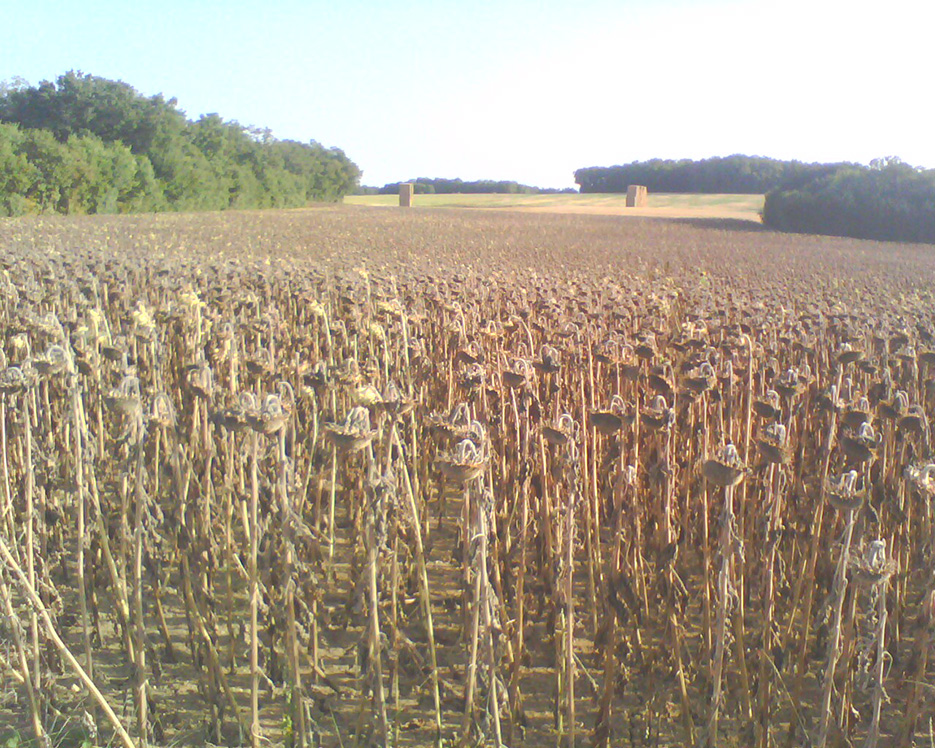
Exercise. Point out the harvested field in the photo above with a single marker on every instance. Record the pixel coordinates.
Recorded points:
(661, 205)
(344, 476)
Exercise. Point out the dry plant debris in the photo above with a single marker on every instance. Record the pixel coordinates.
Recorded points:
(357, 477)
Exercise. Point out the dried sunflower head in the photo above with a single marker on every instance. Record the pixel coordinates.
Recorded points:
(768, 406)
(353, 433)
(549, 361)
(872, 567)
(860, 445)
(658, 415)
(844, 493)
(17, 379)
(56, 362)
(467, 461)
(564, 431)
(727, 469)
(612, 419)
(125, 398)
(773, 444)
(518, 374)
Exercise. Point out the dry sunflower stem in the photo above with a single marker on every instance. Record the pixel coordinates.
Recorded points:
(319, 487)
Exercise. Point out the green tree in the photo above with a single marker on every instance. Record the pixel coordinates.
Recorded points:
(16, 173)
(100, 146)
(890, 201)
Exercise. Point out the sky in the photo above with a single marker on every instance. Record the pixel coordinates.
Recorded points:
(515, 89)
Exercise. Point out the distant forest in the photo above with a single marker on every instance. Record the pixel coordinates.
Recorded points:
(85, 144)
(888, 200)
(439, 186)
(737, 174)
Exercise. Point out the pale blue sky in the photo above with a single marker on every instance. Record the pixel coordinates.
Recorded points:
(515, 89)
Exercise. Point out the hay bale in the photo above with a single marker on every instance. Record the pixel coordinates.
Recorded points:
(637, 196)
(406, 191)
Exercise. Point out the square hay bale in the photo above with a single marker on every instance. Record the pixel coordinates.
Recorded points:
(637, 196)
(406, 191)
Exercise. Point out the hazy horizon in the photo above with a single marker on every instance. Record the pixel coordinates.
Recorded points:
(515, 90)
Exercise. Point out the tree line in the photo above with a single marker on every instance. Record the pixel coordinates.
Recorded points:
(85, 144)
(737, 174)
(887, 200)
(442, 186)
